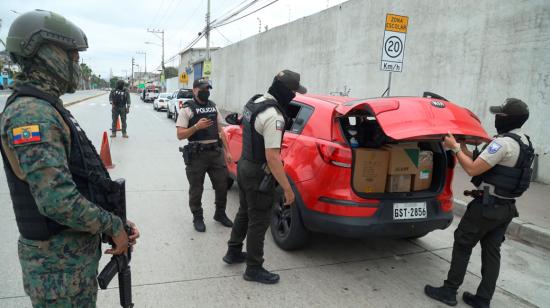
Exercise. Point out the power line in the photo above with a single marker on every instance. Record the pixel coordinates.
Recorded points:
(228, 40)
(224, 21)
(263, 7)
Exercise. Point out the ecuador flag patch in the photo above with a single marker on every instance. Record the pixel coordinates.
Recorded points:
(26, 134)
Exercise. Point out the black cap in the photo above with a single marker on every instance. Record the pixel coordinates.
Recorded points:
(291, 80)
(511, 107)
(201, 83)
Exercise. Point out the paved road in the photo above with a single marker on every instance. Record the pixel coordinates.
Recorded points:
(176, 267)
(67, 98)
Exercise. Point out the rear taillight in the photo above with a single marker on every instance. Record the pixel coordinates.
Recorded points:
(335, 154)
(180, 103)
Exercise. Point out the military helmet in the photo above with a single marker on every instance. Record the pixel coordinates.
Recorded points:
(32, 29)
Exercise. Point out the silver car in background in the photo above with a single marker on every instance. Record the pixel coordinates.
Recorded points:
(161, 102)
(176, 103)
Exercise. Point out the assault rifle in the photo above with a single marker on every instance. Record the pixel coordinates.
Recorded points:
(119, 264)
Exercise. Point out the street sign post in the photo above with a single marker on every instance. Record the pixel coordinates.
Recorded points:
(393, 45)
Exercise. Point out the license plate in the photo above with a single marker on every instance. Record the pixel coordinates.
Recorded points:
(409, 210)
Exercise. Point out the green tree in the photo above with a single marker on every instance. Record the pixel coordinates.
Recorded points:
(86, 75)
(170, 72)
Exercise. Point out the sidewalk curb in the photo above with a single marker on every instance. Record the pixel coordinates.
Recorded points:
(84, 99)
(518, 228)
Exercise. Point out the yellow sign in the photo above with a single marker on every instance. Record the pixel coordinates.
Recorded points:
(397, 23)
(207, 68)
(184, 78)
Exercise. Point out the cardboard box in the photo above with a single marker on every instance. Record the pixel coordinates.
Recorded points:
(399, 183)
(370, 170)
(403, 158)
(422, 180)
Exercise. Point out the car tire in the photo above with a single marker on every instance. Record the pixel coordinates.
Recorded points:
(168, 115)
(287, 229)
(175, 117)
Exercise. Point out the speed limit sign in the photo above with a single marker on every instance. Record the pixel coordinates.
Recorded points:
(393, 48)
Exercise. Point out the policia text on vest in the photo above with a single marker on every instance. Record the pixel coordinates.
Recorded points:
(206, 153)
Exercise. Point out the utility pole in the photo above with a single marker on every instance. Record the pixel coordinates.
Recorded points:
(132, 76)
(208, 32)
(144, 76)
(162, 38)
(145, 65)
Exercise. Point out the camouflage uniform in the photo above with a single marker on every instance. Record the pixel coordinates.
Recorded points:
(62, 270)
(119, 110)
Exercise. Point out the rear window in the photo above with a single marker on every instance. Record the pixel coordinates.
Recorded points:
(185, 94)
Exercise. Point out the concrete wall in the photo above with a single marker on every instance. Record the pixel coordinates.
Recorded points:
(172, 84)
(475, 53)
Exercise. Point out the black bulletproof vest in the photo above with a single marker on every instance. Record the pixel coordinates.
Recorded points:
(88, 172)
(510, 182)
(253, 142)
(200, 111)
(118, 97)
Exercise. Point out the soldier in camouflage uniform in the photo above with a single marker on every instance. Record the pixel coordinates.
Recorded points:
(59, 247)
(120, 100)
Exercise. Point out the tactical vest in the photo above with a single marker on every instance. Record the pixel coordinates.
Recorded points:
(253, 142)
(510, 182)
(200, 111)
(88, 172)
(119, 97)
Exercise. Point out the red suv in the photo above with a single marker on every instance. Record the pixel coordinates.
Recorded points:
(319, 153)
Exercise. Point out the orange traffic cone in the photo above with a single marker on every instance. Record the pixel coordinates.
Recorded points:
(105, 153)
(118, 124)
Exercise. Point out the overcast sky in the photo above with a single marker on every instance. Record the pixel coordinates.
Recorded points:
(117, 29)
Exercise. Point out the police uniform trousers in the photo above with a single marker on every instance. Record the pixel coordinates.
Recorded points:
(119, 111)
(486, 224)
(253, 217)
(213, 163)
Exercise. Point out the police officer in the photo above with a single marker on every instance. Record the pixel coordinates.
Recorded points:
(501, 173)
(200, 123)
(264, 123)
(120, 101)
(53, 169)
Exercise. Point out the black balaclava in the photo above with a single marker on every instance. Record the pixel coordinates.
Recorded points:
(282, 93)
(203, 95)
(120, 84)
(506, 123)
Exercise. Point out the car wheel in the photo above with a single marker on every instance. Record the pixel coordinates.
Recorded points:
(287, 228)
(230, 182)
(175, 117)
(168, 115)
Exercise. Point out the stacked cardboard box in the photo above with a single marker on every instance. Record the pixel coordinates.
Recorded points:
(393, 168)
(422, 180)
(371, 169)
(403, 164)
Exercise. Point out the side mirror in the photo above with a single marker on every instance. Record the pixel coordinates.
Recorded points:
(233, 119)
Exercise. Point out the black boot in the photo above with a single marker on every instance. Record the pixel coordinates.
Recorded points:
(260, 274)
(442, 294)
(474, 300)
(222, 218)
(234, 255)
(198, 223)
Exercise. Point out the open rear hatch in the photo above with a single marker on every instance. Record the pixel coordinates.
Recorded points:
(419, 118)
(382, 123)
